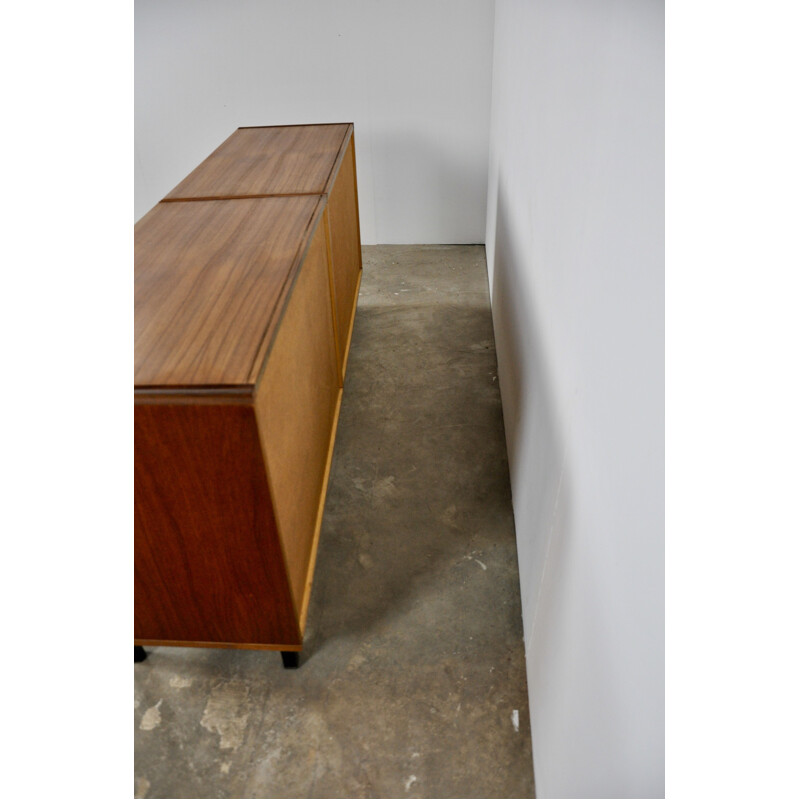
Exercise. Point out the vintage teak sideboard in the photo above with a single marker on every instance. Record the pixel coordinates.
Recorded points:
(246, 283)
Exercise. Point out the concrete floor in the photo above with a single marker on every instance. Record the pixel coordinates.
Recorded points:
(412, 680)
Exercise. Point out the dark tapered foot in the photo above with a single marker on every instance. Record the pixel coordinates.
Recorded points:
(139, 654)
(291, 659)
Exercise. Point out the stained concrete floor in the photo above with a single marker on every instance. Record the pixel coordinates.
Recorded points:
(412, 680)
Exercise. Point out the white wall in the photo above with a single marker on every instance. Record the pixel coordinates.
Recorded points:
(413, 75)
(575, 243)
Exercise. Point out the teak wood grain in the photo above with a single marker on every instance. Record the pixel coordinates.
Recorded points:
(208, 564)
(292, 159)
(210, 280)
(246, 285)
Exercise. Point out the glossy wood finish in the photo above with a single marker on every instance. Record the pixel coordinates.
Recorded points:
(244, 313)
(210, 281)
(268, 161)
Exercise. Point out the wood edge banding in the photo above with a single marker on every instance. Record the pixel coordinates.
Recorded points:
(355, 190)
(318, 525)
(352, 325)
(294, 125)
(214, 645)
(194, 395)
(334, 173)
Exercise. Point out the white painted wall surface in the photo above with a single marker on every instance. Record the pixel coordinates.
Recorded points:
(575, 244)
(413, 75)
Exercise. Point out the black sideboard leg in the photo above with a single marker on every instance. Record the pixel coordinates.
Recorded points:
(291, 659)
(139, 654)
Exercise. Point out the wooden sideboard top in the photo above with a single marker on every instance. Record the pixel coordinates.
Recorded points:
(211, 281)
(280, 160)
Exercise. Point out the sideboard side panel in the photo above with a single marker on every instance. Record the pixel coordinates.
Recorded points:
(208, 566)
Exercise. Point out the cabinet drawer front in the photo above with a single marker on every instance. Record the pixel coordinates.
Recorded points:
(296, 403)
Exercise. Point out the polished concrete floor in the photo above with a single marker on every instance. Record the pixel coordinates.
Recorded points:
(412, 680)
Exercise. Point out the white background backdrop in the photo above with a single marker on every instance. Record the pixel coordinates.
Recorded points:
(414, 76)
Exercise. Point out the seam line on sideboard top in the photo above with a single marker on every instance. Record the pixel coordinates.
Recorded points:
(240, 197)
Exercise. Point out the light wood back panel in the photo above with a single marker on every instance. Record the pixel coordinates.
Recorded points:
(210, 281)
(267, 161)
(342, 213)
(208, 565)
(295, 408)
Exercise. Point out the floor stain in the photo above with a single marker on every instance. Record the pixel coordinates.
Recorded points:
(226, 713)
(152, 717)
